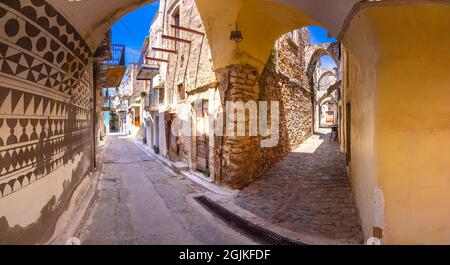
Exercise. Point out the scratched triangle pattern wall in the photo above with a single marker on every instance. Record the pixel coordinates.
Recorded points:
(45, 90)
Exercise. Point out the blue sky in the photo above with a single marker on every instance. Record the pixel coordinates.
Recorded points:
(318, 36)
(132, 29)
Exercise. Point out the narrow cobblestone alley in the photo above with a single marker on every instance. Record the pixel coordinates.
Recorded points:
(141, 201)
(307, 192)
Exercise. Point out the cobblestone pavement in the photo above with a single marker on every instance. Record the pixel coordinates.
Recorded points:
(308, 192)
(141, 201)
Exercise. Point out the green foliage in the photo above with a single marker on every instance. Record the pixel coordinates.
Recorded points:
(156, 149)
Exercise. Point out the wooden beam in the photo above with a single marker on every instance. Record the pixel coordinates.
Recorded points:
(187, 30)
(156, 59)
(202, 88)
(175, 39)
(164, 50)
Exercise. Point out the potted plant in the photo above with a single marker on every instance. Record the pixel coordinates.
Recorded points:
(143, 94)
(156, 149)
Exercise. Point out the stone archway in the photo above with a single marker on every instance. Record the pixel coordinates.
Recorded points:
(313, 56)
(325, 74)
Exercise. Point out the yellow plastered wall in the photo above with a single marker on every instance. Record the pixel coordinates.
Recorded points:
(402, 58)
(261, 24)
(360, 91)
(414, 121)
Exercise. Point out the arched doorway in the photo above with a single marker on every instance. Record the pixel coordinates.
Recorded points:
(328, 112)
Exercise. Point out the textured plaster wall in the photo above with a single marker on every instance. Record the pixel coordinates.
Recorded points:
(398, 89)
(360, 90)
(414, 168)
(45, 118)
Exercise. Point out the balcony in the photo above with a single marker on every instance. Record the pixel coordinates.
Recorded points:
(117, 55)
(146, 71)
(111, 66)
(151, 101)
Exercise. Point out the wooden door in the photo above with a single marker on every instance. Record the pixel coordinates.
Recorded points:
(171, 139)
(202, 139)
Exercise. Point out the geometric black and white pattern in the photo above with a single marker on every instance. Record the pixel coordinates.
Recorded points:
(16, 63)
(37, 44)
(39, 132)
(45, 18)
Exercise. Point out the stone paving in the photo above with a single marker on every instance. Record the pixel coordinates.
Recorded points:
(308, 192)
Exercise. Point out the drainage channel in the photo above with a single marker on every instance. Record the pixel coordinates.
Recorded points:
(256, 232)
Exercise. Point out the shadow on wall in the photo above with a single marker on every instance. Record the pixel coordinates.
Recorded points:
(42, 229)
(74, 142)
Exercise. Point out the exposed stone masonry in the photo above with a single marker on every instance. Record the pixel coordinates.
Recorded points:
(282, 80)
(241, 154)
(295, 100)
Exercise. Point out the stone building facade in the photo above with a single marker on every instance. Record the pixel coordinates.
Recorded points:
(197, 94)
(284, 80)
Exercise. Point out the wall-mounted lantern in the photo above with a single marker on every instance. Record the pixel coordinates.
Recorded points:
(236, 35)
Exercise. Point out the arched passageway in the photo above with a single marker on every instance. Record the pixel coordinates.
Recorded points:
(323, 80)
(325, 75)
(314, 54)
(45, 47)
(311, 171)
